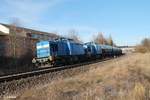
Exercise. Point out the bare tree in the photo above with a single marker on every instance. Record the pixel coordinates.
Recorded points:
(146, 42)
(74, 35)
(15, 21)
(13, 28)
(110, 41)
(99, 38)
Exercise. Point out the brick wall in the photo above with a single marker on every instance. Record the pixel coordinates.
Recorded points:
(16, 51)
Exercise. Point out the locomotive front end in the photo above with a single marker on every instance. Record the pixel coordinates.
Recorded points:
(45, 53)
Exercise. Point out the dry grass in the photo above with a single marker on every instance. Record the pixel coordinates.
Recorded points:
(144, 46)
(124, 79)
(142, 49)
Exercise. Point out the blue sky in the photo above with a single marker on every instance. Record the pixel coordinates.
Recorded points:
(128, 21)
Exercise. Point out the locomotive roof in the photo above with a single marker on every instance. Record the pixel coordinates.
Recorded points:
(67, 39)
(63, 38)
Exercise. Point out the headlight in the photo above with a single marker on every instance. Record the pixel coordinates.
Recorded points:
(33, 60)
(50, 58)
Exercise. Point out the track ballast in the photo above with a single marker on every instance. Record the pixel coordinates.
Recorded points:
(18, 76)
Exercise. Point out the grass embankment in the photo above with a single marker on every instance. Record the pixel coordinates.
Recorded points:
(124, 79)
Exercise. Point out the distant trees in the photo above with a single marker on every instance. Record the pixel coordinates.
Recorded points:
(99, 38)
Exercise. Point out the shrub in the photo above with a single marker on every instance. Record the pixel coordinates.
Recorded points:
(144, 46)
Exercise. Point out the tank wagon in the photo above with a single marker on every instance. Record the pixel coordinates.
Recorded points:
(67, 51)
(107, 51)
(117, 51)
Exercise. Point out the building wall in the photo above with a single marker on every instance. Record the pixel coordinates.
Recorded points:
(16, 50)
(18, 47)
(25, 32)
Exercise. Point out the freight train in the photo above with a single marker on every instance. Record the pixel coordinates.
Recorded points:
(67, 51)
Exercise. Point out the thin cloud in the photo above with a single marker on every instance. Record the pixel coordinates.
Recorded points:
(28, 10)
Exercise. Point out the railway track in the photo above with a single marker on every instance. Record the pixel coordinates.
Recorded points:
(18, 76)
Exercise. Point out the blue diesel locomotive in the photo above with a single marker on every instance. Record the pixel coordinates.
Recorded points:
(92, 50)
(63, 50)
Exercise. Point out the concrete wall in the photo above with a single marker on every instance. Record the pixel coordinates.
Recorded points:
(4, 30)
